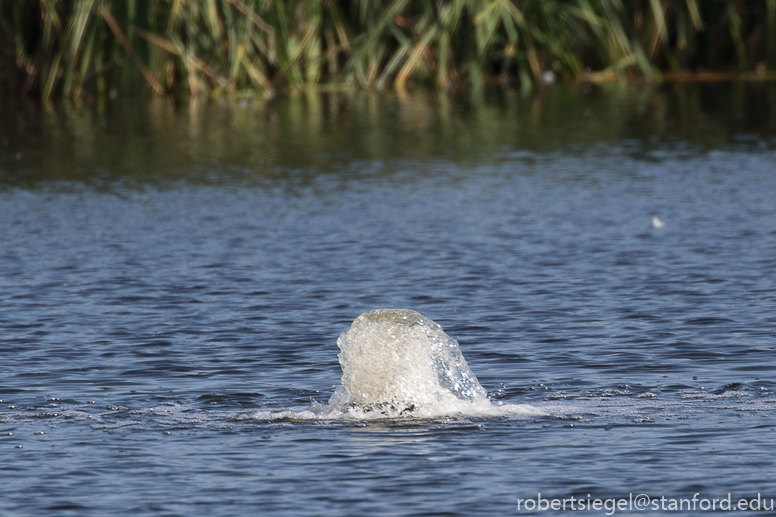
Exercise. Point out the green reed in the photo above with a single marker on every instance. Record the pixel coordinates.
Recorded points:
(73, 48)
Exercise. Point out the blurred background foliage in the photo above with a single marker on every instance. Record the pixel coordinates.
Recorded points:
(81, 48)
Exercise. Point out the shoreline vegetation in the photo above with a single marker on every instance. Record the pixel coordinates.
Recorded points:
(53, 49)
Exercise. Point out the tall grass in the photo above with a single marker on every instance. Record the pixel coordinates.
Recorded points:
(73, 48)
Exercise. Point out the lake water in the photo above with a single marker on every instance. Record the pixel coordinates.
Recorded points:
(174, 279)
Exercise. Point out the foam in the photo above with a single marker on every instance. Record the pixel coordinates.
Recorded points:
(463, 410)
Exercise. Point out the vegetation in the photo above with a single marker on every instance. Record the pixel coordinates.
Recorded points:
(75, 48)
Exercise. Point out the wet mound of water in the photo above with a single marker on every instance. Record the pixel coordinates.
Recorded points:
(397, 362)
(400, 360)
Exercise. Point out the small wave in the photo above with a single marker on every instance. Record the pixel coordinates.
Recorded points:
(464, 410)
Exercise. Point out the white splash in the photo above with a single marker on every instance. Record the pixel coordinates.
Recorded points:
(657, 223)
(396, 363)
(397, 358)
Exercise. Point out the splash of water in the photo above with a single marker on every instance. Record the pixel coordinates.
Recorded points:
(397, 362)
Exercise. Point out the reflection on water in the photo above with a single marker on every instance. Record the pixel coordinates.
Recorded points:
(256, 140)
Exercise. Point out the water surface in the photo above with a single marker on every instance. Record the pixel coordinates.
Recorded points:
(174, 278)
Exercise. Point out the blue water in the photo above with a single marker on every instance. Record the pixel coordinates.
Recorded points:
(169, 319)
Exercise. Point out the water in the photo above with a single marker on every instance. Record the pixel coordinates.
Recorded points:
(174, 280)
(397, 363)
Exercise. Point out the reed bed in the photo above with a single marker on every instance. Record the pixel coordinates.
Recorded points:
(77, 48)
